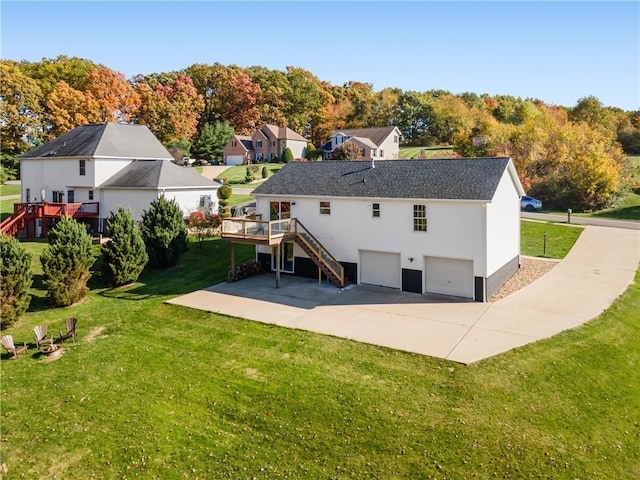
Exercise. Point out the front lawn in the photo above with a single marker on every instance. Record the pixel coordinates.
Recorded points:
(559, 238)
(236, 175)
(152, 390)
(9, 189)
(429, 152)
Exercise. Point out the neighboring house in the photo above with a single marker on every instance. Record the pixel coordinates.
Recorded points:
(374, 143)
(263, 145)
(426, 226)
(92, 170)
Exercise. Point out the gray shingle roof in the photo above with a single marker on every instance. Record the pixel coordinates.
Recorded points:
(103, 140)
(447, 179)
(376, 135)
(154, 174)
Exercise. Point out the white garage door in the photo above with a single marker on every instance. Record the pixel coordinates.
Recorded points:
(380, 268)
(235, 159)
(449, 276)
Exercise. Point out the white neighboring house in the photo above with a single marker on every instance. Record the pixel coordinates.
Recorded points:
(381, 143)
(446, 226)
(99, 167)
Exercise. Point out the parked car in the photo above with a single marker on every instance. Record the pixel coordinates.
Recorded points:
(185, 161)
(530, 204)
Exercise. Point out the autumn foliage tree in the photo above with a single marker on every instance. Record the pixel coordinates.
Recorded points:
(347, 151)
(170, 111)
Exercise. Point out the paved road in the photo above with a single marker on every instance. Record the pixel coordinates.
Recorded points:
(599, 222)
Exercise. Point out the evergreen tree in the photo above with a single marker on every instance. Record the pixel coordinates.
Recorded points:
(15, 280)
(287, 155)
(265, 172)
(124, 255)
(66, 262)
(212, 140)
(164, 233)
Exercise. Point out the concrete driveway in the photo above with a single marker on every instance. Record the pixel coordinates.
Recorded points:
(598, 269)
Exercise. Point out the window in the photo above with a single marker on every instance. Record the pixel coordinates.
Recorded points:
(419, 218)
(83, 167)
(234, 144)
(395, 139)
(375, 210)
(71, 196)
(258, 143)
(373, 152)
(364, 153)
(28, 195)
(273, 143)
(202, 201)
(90, 194)
(325, 208)
(381, 153)
(57, 196)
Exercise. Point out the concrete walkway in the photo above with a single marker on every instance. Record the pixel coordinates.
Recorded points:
(598, 269)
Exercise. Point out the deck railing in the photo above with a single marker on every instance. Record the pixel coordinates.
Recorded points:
(253, 228)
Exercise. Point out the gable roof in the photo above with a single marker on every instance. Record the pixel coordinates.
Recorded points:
(103, 140)
(280, 133)
(156, 174)
(376, 135)
(447, 179)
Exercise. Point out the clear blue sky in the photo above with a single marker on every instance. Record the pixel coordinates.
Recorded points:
(558, 52)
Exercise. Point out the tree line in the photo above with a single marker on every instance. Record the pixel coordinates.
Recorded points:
(195, 110)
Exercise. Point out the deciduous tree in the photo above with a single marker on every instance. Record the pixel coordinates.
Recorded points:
(21, 115)
(347, 151)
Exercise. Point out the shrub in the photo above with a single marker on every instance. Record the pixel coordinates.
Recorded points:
(265, 172)
(224, 194)
(15, 280)
(203, 226)
(248, 176)
(164, 233)
(124, 255)
(287, 155)
(66, 262)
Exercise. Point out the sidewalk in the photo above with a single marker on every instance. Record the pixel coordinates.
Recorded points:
(597, 270)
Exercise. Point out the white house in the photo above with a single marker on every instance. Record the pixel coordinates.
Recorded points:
(381, 143)
(446, 226)
(94, 169)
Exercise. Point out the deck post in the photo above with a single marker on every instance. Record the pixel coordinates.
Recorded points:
(277, 260)
(233, 260)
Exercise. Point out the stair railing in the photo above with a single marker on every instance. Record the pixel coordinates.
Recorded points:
(334, 266)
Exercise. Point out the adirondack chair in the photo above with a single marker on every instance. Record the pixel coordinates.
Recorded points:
(7, 342)
(40, 335)
(71, 329)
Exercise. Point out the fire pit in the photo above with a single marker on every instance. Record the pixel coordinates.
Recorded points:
(49, 349)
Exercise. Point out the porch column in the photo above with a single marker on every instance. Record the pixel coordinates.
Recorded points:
(277, 260)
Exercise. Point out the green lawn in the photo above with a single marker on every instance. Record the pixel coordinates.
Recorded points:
(559, 239)
(152, 390)
(430, 152)
(237, 198)
(10, 189)
(236, 175)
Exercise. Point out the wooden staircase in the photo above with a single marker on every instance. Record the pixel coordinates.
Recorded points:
(320, 255)
(12, 225)
(255, 231)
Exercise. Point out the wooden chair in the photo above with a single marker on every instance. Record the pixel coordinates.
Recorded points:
(71, 329)
(40, 335)
(7, 342)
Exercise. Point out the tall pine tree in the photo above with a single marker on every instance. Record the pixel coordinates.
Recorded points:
(66, 262)
(164, 233)
(15, 280)
(124, 255)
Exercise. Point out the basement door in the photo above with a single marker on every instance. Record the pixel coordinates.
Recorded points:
(380, 269)
(449, 276)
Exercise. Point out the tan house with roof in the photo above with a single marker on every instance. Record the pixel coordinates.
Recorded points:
(374, 143)
(263, 145)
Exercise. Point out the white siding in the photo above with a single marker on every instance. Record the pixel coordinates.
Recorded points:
(390, 147)
(455, 229)
(298, 148)
(139, 200)
(503, 225)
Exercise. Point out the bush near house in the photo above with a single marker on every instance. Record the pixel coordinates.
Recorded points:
(124, 255)
(15, 280)
(224, 194)
(164, 233)
(66, 262)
